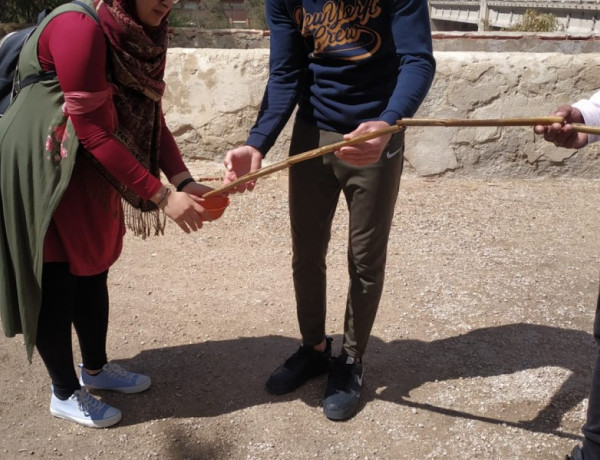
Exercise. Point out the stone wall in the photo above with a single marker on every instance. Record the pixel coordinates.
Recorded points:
(215, 80)
(530, 42)
(213, 96)
(191, 37)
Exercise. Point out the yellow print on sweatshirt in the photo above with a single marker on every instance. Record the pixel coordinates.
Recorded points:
(341, 29)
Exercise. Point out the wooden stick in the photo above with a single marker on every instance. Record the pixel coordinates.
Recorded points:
(302, 157)
(581, 128)
(399, 126)
(485, 122)
(578, 127)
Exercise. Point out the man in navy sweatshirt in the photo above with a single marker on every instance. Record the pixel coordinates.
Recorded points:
(351, 67)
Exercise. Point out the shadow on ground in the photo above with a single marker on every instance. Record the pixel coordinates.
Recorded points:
(216, 377)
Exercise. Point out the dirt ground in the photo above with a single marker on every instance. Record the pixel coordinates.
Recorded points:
(482, 347)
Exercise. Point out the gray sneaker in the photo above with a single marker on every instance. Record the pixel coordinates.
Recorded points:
(84, 409)
(114, 378)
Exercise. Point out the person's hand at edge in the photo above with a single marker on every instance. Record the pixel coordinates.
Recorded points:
(239, 162)
(563, 135)
(367, 152)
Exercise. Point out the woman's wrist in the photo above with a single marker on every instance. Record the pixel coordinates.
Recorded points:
(160, 198)
(184, 183)
(178, 178)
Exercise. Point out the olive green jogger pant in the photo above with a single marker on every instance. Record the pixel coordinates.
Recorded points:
(314, 191)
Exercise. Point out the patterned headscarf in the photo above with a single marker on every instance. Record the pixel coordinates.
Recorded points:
(137, 57)
(139, 52)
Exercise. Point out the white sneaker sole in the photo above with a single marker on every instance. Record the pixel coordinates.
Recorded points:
(104, 423)
(133, 389)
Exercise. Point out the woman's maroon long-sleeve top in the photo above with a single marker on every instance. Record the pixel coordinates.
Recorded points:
(87, 228)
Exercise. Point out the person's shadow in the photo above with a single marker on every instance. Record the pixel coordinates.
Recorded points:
(216, 377)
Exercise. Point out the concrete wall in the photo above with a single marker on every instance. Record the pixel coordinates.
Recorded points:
(517, 42)
(571, 16)
(213, 96)
(530, 42)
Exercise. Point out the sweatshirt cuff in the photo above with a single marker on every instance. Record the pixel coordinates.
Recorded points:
(390, 118)
(260, 142)
(591, 116)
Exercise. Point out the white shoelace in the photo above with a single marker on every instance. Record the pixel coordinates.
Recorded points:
(87, 403)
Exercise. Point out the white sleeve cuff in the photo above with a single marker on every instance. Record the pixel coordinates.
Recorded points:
(590, 110)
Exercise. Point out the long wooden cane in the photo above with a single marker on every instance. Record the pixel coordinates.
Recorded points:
(399, 126)
(302, 157)
(581, 128)
(529, 121)
(578, 127)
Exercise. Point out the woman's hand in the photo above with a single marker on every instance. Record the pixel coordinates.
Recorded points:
(197, 189)
(215, 205)
(184, 209)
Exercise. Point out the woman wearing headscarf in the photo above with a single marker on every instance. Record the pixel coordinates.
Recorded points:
(80, 159)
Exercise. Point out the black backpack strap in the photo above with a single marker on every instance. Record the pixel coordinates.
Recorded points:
(31, 79)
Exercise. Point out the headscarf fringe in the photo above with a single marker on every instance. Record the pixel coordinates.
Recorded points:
(144, 223)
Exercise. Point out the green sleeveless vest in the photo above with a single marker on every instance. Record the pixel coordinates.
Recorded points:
(37, 154)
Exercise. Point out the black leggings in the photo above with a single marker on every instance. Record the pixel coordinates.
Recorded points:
(81, 301)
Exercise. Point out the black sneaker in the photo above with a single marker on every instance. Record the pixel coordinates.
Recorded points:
(303, 365)
(343, 388)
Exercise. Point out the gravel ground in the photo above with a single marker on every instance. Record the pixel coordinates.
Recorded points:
(481, 348)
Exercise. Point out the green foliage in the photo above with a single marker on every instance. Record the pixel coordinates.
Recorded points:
(179, 18)
(534, 21)
(211, 15)
(214, 17)
(25, 11)
(256, 14)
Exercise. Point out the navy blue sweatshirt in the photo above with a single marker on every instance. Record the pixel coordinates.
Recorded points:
(344, 62)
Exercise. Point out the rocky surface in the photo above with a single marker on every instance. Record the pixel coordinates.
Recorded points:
(482, 347)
